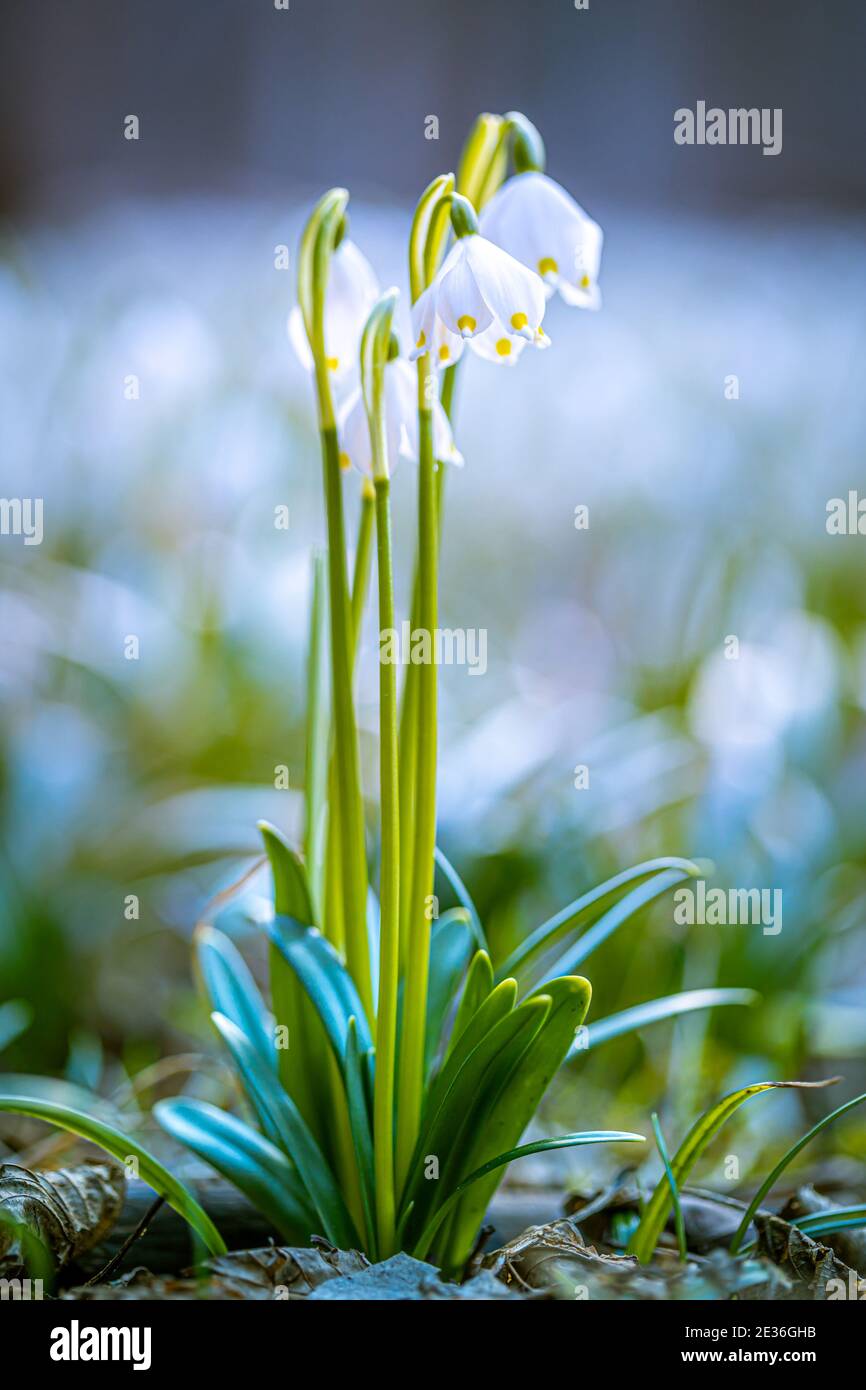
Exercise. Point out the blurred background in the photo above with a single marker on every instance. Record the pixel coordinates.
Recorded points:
(130, 788)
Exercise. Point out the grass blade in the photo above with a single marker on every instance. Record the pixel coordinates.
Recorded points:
(645, 1238)
(450, 951)
(562, 1141)
(672, 1184)
(325, 979)
(587, 906)
(462, 894)
(773, 1177)
(122, 1147)
(656, 1011)
(15, 1018)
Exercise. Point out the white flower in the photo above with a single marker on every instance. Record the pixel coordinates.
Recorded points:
(481, 294)
(401, 424)
(352, 291)
(534, 219)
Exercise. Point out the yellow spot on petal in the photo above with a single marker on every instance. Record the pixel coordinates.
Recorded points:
(444, 352)
(548, 266)
(345, 462)
(585, 283)
(466, 323)
(332, 363)
(519, 321)
(503, 347)
(422, 339)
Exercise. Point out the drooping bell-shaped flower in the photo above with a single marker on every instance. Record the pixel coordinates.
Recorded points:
(535, 220)
(352, 292)
(481, 295)
(401, 423)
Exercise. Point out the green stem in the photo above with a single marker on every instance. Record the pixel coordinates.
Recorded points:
(351, 834)
(335, 926)
(389, 891)
(411, 1078)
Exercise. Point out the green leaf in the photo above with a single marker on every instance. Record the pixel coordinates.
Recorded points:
(656, 1011)
(15, 1018)
(302, 1065)
(655, 1213)
(587, 906)
(821, 1223)
(513, 1104)
(615, 917)
(450, 949)
(122, 1147)
(773, 1177)
(562, 1141)
(362, 1135)
(498, 1004)
(672, 1184)
(243, 1156)
(291, 890)
(479, 984)
(325, 979)
(461, 893)
(284, 1125)
(451, 1131)
(232, 990)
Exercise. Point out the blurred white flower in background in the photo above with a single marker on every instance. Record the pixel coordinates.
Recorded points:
(352, 291)
(535, 220)
(401, 423)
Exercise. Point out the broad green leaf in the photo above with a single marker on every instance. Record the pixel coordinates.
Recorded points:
(284, 1126)
(479, 984)
(672, 1184)
(655, 1213)
(587, 906)
(15, 1018)
(461, 893)
(122, 1147)
(301, 1065)
(498, 1004)
(773, 1177)
(656, 1011)
(450, 950)
(452, 1130)
(362, 1135)
(562, 1141)
(231, 989)
(512, 1106)
(325, 979)
(243, 1156)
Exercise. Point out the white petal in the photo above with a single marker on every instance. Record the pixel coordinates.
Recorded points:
(298, 339)
(352, 292)
(513, 294)
(444, 448)
(459, 301)
(496, 345)
(354, 434)
(423, 321)
(537, 221)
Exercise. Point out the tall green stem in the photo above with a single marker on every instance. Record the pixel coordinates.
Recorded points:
(389, 891)
(411, 1078)
(351, 811)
